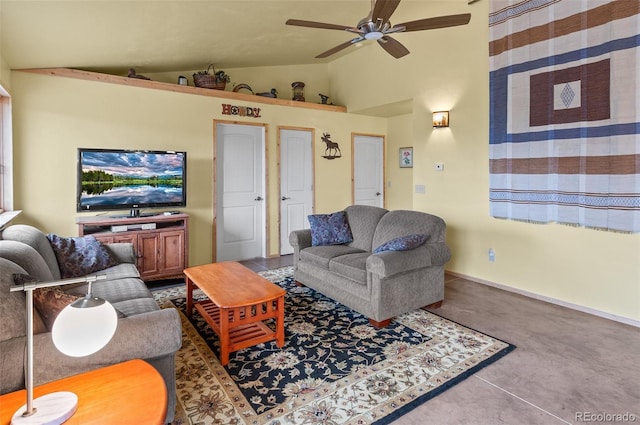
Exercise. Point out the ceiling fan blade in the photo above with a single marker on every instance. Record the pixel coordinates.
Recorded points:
(393, 47)
(339, 47)
(383, 9)
(312, 24)
(435, 23)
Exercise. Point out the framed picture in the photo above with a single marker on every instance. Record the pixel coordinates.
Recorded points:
(406, 157)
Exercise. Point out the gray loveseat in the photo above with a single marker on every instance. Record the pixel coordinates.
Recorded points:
(383, 285)
(145, 332)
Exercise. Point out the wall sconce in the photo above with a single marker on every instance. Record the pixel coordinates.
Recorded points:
(440, 119)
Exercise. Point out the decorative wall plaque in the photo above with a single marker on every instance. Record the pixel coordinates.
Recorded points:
(241, 111)
(333, 149)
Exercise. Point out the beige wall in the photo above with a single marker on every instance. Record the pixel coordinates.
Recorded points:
(399, 186)
(5, 72)
(594, 269)
(54, 116)
(263, 79)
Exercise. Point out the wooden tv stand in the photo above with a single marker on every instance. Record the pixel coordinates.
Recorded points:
(160, 242)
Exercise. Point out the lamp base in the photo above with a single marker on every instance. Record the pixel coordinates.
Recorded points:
(50, 409)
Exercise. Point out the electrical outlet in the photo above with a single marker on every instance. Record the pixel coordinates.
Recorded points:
(439, 166)
(492, 255)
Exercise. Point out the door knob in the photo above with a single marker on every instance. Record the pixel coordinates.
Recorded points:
(284, 198)
(378, 193)
(258, 198)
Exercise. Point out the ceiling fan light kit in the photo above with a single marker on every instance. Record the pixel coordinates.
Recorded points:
(376, 26)
(375, 35)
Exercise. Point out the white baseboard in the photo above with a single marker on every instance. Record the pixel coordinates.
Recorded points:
(588, 310)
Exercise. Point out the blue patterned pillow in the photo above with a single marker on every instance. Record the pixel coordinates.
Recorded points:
(80, 256)
(330, 229)
(402, 243)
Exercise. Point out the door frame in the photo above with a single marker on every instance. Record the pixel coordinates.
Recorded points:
(384, 166)
(265, 176)
(313, 172)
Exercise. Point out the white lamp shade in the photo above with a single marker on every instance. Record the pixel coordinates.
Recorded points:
(79, 332)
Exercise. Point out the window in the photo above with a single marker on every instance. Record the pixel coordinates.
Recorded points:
(6, 157)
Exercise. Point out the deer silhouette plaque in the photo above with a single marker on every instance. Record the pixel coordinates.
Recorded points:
(333, 149)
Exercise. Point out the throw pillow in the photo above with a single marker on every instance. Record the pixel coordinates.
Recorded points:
(50, 302)
(80, 256)
(330, 229)
(402, 243)
(38, 324)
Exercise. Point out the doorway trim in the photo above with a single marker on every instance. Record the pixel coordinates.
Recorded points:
(384, 165)
(214, 235)
(313, 172)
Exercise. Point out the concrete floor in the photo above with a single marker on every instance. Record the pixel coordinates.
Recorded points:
(568, 368)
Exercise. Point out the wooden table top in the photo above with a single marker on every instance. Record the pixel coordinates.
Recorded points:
(132, 392)
(217, 279)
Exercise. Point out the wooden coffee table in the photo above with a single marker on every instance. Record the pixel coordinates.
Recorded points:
(239, 303)
(132, 392)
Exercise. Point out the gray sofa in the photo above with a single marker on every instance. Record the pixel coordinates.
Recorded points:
(383, 285)
(145, 332)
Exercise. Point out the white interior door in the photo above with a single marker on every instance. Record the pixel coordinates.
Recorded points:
(240, 192)
(296, 184)
(368, 173)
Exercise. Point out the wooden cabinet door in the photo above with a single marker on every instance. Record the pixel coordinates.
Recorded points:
(133, 240)
(128, 238)
(148, 254)
(172, 246)
(105, 239)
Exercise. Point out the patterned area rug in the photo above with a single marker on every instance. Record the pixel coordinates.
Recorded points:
(334, 368)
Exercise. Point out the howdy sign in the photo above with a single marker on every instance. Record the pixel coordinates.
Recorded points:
(243, 111)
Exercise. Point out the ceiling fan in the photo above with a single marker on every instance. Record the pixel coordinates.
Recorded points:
(376, 26)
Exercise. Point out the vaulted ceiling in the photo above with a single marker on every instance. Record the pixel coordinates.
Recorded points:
(174, 35)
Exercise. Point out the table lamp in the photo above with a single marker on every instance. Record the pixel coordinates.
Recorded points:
(82, 328)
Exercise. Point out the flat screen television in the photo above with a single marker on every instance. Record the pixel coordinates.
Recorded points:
(119, 179)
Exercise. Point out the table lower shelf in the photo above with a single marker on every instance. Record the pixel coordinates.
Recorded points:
(242, 331)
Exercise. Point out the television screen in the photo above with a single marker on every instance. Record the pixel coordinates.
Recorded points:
(112, 179)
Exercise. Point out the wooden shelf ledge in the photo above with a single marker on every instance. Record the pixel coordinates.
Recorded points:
(157, 85)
